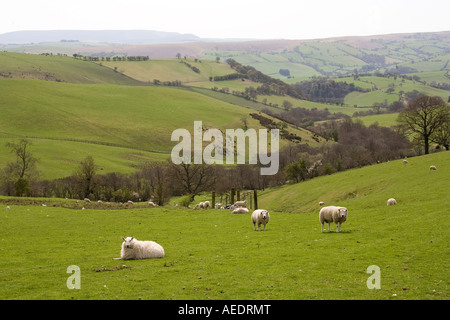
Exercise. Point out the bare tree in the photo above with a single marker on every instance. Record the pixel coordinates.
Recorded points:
(194, 178)
(423, 117)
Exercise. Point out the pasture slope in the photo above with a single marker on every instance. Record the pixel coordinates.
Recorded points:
(120, 126)
(212, 254)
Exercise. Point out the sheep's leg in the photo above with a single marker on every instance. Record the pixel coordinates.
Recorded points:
(259, 226)
(338, 227)
(322, 226)
(254, 226)
(329, 227)
(264, 227)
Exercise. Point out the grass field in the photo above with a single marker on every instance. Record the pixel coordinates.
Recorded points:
(213, 254)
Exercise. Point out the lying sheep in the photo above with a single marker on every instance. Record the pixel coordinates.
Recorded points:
(334, 214)
(260, 217)
(432, 168)
(217, 205)
(206, 204)
(151, 204)
(134, 249)
(240, 203)
(240, 210)
(200, 205)
(391, 202)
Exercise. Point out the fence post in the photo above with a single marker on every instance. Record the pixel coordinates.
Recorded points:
(213, 195)
(232, 196)
(255, 196)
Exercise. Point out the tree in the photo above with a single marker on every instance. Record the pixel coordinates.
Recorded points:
(423, 117)
(442, 135)
(23, 170)
(86, 174)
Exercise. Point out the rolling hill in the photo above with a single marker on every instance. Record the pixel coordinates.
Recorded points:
(126, 124)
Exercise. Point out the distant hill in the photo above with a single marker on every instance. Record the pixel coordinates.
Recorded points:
(108, 36)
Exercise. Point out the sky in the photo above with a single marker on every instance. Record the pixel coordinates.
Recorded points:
(255, 19)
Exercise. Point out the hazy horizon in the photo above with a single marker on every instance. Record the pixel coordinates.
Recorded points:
(235, 19)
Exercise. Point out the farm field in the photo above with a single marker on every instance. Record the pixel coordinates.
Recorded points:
(291, 260)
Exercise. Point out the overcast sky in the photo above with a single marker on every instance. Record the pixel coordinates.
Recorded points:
(274, 19)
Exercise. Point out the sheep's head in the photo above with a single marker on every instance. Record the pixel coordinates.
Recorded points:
(264, 214)
(128, 242)
(343, 212)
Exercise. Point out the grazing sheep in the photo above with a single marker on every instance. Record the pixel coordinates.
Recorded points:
(432, 168)
(200, 205)
(87, 200)
(8, 208)
(334, 214)
(151, 204)
(405, 161)
(240, 210)
(99, 201)
(240, 203)
(260, 217)
(134, 249)
(391, 202)
(130, 202)
(206, 204)
(321, 203)
(217, 205)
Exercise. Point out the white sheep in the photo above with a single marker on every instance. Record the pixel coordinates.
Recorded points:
(151, 204)
(260, 217)
(240, 210)
(87, 200)
(8, 208)
(334, 214)
(99, 201)
(405, 161)
(130, 202)
(321, 203)
(206, 204)
(391, 202)
(134, 249)
(240, 203)
(200, 205)
(217, 205)
(432, 168)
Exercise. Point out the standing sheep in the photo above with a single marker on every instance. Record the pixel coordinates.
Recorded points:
(240, 203)
(206, 204)
(432, 168)
(321, 203)
(391, 202)
(334, 214)
(260, 217)
(134, 249)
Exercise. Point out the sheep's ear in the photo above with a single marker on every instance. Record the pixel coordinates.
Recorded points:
(132, 238)
(123, 238)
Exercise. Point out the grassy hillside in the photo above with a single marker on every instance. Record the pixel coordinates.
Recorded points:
(58, 68)
(130, 124)
(213, 254)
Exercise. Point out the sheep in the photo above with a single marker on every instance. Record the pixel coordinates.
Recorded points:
(206, 204)
(134, 249)
(260, 217)
(200, 205)
(217, 205)
(432, 168)
(334, 214)
(87, 200)
(240, 203)
(151, 204)
(405, 161)
(240, 210)
(130, 202)
(321, 203)
(99, 201)
(8, 208)
(391, 202)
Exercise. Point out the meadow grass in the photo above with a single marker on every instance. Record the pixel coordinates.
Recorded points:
(212, 254)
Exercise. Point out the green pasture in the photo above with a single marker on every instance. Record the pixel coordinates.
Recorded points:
(213, 254)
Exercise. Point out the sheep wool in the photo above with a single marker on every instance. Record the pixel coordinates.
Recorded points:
(134, 249)
(334, 214)
(260, 217)
(240, 210)
(391, 202)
